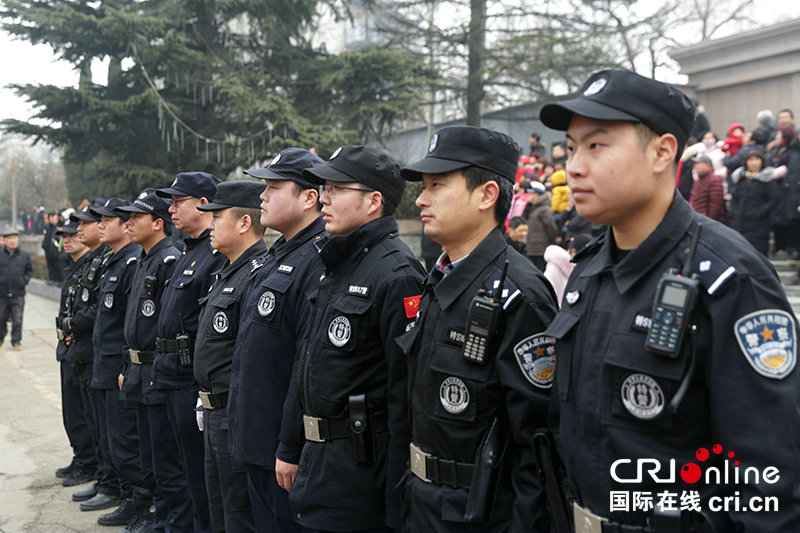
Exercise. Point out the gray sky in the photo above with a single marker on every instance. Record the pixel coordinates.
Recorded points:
(21, 62)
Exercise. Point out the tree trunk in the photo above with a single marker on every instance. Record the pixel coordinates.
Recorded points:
(476, 41)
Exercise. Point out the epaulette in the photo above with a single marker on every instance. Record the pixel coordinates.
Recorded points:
(169, 259)
(131, 259)
(712, 271)
(590, 248)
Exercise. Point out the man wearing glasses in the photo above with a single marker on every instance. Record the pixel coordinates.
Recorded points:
(351, 375)
(177, 325)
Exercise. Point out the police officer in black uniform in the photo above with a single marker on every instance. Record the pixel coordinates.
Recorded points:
(117, 416)
(237, 233)
(351, 374)
(677, 347)
(162, 470)
(77, 327)
(480, 365)
(177, 322)
(84, 463)
(265, 420)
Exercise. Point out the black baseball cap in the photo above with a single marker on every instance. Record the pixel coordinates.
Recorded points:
(456, 147)
(197, 184)
(108, 209)
(70, 227)
(622, 95)
(148, 202)
(289, 164)
(238, 193)
(84, 214)
(367, 166)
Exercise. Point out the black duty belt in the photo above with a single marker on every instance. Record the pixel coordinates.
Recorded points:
(433, 469)
(213, 401)
(166, 345)
(325, 429)
(139, 357)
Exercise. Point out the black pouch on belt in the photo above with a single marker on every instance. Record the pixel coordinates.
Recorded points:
(360, 430)
(486, 473)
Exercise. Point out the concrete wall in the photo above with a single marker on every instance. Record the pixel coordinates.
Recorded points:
(735, 77)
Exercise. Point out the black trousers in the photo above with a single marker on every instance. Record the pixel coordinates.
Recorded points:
(164, 478)
(74, 417)
(180, 407)
(270, 503)
(226, 481)
(12, 308)
(123, 445)
(94, 404)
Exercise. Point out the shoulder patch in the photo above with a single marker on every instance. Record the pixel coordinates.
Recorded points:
(536, 356)
(131, 259)
(768, 342)
(169, 259)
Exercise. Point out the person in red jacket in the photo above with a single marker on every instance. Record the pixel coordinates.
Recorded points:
(708, 197)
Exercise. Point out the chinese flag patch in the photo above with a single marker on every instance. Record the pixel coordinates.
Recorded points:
(411, 305)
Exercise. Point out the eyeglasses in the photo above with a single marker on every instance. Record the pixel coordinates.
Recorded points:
(331, 189)
(174, 203)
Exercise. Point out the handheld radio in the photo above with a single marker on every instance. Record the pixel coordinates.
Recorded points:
(675, 298)
(484, 311)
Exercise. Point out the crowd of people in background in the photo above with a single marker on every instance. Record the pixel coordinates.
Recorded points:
(749, 180)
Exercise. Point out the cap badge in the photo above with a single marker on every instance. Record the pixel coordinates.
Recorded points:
(434, 141)
(336, 153)
(174, 183)
(142, 195)
(275, 159)
(596, 86)
(107, 202)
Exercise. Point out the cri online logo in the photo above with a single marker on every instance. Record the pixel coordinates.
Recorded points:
(629, 471)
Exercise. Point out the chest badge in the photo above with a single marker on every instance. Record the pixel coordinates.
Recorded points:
(572, 297)
(767, 340)
(220, 322)
(642, 396)
(148, 308)
(339, 331)
(536, 357)
(266, 303)
(454, 395)
(108, 300)
(85, 295)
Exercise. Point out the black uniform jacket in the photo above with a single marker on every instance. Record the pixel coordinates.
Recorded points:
(71, 275)
(274, 321)
(141, 317)
(219, 320)
(112, 300)
(350, 349)
(454, 400)
(613, 398)
(80, 323)
(15, 272)
(180, 309)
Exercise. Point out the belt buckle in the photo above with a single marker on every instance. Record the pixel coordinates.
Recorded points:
(206, 401)
(311, 428)
(60, 333)
(134, 355)
(419, 462)
(586, 521)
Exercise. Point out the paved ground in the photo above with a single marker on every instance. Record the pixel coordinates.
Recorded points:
(32, 439)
